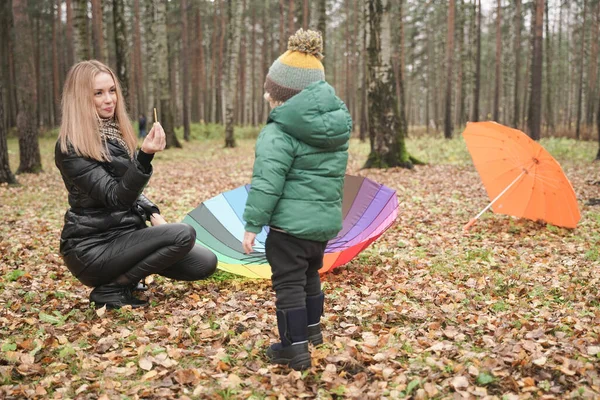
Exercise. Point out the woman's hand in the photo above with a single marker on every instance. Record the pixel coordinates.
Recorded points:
(155, 141)
(157, 219)
(248, 242)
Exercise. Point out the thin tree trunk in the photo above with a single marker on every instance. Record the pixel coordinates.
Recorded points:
(306, 14)
(98, 33)
(517, 51)
(581, 63)
(476, 87)
(460, 101)
(185, 78)
(549, 83)
(281, 27)
(82, 50)
(535, 101)
(6, 175)
(291, 24)
(253, 79)
(70, 45)
(151, 67)
(449, 77)
(56, 22)
(233, 48)
(593, 66)
(137, 49)
(29, 150)
(221, 66)
(122, 46)
(240, 109)
(364, 128)
(496, 116)
(322, 27)
(201, 71)
(166, 105)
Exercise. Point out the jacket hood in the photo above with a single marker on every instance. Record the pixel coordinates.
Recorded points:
(315, 116)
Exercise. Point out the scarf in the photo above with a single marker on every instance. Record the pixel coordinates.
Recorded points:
(109, 129)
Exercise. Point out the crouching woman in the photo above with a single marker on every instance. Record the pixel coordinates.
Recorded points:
(105, 242)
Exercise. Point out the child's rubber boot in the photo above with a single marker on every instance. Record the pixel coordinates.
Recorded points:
(293, 349)
(314, 310)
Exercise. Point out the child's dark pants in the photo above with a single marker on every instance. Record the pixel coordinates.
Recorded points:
(295, 264)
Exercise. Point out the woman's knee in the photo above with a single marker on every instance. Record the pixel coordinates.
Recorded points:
(185, 236)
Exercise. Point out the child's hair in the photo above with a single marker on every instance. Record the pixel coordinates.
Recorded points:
(298, 67)
(80, 124)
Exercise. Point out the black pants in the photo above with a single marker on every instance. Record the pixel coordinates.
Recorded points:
(168, 250)
(295, 265)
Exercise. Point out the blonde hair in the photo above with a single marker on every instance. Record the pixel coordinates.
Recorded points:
(80, 126)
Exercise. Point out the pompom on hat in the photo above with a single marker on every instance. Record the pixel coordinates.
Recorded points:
(298, 67)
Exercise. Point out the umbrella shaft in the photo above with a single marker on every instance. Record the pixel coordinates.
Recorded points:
(501, 194)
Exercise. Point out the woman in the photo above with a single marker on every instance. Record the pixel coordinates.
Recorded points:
(105, 242)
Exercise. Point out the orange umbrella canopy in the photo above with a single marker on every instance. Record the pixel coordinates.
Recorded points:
(520, 176)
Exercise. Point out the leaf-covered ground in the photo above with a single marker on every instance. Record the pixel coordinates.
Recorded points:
(510, 310)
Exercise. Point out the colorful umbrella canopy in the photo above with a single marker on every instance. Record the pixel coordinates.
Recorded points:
(368, 210)
(520, 176)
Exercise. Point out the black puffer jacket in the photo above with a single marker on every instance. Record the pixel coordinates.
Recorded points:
(106, 198)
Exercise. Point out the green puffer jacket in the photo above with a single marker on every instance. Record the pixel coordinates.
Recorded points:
(301, 158)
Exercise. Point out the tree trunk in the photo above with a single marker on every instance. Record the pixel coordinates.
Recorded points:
(549, 83)
(363, 81)
(477, 85)
(282, 38)
(166, 106)
(81, 48)
(253, 79)
(29, 150)
(240, 109)
(322, 27)
(138, 67)
(185, 78)
(56, 22)
(460, 84)
(593, 66)
(535, 101)
(70, 45)
(291, 24)
(496, 116)
(97, 30)
(6, 175)
(122, 46)
(151, 67)
(305, 14)
(581, 64)
(386, 127)
(220, 89)
(233, 47)
(517, 51)
(449, 63)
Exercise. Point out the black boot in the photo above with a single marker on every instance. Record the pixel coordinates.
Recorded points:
(314, 310)
(114, 295)
(139, 286)
(293, 349)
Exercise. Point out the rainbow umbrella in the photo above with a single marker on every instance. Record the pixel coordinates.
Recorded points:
(369, 209)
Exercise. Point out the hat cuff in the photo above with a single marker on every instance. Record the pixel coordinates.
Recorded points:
(279, 92)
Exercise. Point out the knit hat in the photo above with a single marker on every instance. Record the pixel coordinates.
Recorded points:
(298, 67)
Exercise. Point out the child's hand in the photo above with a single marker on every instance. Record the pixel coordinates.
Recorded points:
(248, 242)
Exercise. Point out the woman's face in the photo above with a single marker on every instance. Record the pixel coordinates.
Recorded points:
(105, 95)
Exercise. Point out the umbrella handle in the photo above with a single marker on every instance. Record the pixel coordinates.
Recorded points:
(469, 224)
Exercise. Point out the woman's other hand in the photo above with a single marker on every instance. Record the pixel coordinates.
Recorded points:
(157, 219)
(155, 141)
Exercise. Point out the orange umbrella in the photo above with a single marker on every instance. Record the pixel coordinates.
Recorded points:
(520, 176)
